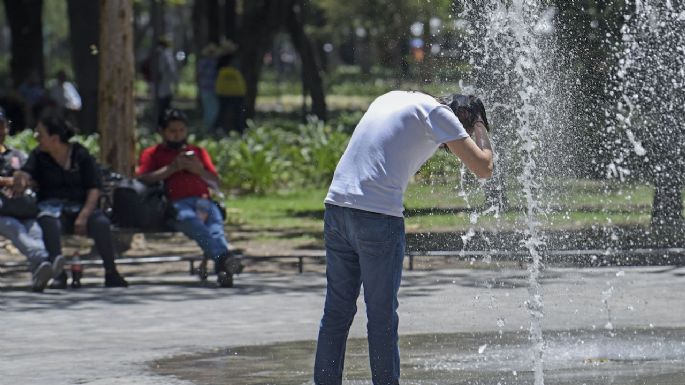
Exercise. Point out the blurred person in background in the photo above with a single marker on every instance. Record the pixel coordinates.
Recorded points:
(231, 90)
(166, 75)
(65, 97)
(207, 70)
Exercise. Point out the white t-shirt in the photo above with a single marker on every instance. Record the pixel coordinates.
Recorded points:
(397, 134)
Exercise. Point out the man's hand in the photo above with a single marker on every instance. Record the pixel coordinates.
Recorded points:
(190, 163)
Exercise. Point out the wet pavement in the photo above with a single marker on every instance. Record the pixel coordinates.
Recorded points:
(461, 326)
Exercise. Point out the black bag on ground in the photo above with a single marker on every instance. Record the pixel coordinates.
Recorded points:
(21, 207)
(136, 205)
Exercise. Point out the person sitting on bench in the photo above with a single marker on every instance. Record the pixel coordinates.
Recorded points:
(21, 228)
(69, 183)
(188, 174)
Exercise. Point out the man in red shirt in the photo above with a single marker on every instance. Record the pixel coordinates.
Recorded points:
(188, 174)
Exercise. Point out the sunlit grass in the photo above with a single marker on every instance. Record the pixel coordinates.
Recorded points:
(441, 207)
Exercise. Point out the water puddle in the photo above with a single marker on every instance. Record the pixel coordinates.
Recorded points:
(620, 357)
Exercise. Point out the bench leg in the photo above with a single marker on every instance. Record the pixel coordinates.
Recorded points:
(202, 270)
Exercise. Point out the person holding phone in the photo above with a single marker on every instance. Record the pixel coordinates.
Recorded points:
(188, 175)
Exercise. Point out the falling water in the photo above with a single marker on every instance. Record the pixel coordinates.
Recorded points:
(648, 84)
(513, 53)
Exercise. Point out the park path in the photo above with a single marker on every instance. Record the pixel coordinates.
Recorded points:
(110, 336)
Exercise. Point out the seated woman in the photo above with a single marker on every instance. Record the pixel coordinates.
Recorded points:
(68, 181)
(24, 233)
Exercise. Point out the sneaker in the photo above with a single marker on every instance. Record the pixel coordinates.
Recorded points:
(225, 279)
(115, 280)
(41, 276)
(58, 266)
(60, 282)
(229, 264)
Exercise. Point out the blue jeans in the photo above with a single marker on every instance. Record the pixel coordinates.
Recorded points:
(362, 248)
(208, 234)
(26, 236)
(210, 109)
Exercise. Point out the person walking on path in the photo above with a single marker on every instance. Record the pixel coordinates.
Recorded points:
(363, 222)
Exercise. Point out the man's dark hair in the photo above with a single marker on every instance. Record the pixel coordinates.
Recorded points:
(170, 115)
(470, 104)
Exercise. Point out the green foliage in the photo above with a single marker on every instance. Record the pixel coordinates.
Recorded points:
(270, 157)
(24, 141)
(442, 168)
(91, 143)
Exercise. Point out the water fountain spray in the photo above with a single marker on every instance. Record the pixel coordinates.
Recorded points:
(512, 50)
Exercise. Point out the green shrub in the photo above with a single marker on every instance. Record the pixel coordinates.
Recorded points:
(24, 141)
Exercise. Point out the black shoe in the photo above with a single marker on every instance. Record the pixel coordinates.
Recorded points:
(60, 282)
(115, 280)
(225, 279)
(229, 264)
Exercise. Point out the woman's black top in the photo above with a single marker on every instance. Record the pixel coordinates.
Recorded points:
(54, 182)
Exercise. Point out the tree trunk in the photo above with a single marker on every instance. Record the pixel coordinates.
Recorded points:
(311, 67)
(25, 19)
(116, 119)
(84, 31)
(261, 20)
(667, 205)
(231, 21)
(205, 23)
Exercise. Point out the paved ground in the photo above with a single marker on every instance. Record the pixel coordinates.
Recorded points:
(110, 336)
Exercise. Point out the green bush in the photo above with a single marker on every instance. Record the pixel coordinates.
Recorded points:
(268, 157)
(24, 141)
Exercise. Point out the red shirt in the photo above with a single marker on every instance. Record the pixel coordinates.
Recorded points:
(181, 184)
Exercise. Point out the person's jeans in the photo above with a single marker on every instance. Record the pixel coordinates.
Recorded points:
(233, 107)
(26, 236)
(210, 109)
(98, 228)
(208, 234)
(362, 248)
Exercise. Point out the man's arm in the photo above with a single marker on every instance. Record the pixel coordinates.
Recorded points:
(476, 153)
(194, 165)
(159, 174)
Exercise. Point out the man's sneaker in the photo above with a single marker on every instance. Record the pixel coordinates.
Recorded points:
(58, 266)
(229, 264)
(225, 279)
(41, 276)
(115, 280)
(59, 282)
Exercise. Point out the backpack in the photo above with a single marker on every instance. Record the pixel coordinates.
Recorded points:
(139, 206)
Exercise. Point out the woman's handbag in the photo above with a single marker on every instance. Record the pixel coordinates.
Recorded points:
(20, 207)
